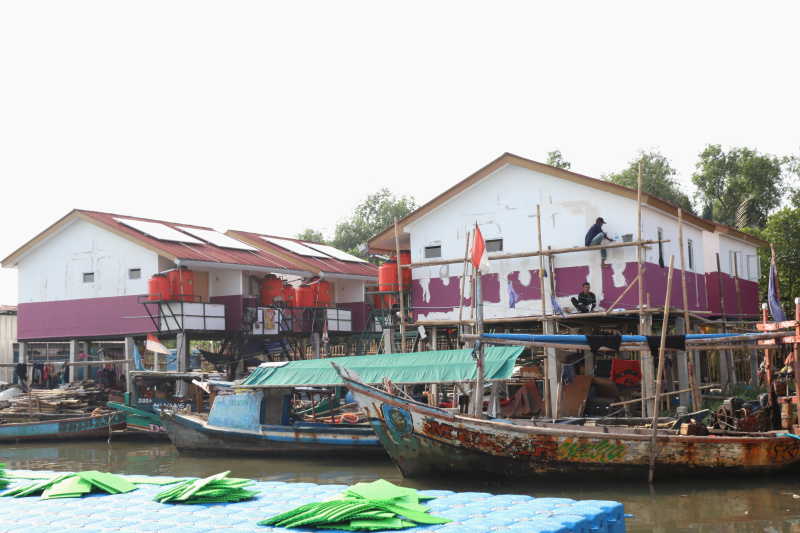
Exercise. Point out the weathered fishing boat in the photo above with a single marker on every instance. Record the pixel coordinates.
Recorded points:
(69, 428)
(258, 416)
(424, 440)
(256, 422)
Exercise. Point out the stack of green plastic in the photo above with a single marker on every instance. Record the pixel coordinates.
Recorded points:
(214, 489)
(73, 485)
(3, 476)
(376, 506)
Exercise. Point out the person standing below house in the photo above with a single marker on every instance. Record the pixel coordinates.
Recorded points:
(595, 236)
(585, 301)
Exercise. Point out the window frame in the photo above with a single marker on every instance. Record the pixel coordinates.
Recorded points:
(437, 247)
(88, 277)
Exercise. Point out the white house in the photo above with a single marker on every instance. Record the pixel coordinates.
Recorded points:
(503, 197)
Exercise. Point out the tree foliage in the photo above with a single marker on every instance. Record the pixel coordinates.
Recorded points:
(738, 188)
(311, 235)
(783, 231)
(374, 214)
(658, 178)
(555, 159)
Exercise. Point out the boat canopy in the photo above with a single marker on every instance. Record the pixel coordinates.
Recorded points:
(442, 366)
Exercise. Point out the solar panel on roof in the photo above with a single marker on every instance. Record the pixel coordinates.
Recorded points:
(334, 252)
(216, 238)
(159, 231)
(295, 247)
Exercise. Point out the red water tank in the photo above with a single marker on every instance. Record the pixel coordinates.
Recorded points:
(322, 293)
(181, 283)
(158, 287)
(387, 281)
(271, 287)
(405, 260)
(305, 296)
(289, 295)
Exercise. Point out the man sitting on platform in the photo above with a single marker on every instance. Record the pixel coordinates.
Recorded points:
(585, 302)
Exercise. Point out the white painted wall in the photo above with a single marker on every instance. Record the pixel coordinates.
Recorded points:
(224, 282)
(8, 336)
(725, 245)
(54, 270)
(652, 220)
(504, 205)
(347, 290)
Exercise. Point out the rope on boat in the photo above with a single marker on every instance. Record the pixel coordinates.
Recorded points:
(787, 435)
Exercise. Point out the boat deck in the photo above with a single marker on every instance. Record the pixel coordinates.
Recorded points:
(471, 512)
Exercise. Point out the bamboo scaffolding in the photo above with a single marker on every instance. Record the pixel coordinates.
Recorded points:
(557, 251)
(661, 356)
(463, 282)
(400, 294)
(630, 286)
(689, 361)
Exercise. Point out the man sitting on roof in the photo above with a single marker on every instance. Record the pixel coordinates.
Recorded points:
(595, 236)
(586, 301)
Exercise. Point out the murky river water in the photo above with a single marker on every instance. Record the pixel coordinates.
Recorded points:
(702, 505)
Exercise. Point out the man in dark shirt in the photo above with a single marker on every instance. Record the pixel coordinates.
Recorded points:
(595, 236)
(585, 301)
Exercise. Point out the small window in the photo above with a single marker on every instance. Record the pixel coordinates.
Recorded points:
(735, 263)
(690, 253)
(88, 277)
(753, 267)
(494, 245)
(432, 252)
(135, 273)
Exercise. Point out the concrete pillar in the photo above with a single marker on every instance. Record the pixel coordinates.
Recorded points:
(681, 365)
(74, 350)
(315, 353)
(754, 368)
(553, 372)
(83, 371)
(698, 372)
(724, 371)
(434, 338)
(128, 366)
(388, 339)
(182, 355)
(648, 373)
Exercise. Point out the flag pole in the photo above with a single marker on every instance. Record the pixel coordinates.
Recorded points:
(479, 317)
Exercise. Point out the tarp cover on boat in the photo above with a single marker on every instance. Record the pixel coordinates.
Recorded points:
(418, 367)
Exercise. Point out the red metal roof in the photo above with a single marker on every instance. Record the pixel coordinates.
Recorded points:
(329, 265)
(195, 252)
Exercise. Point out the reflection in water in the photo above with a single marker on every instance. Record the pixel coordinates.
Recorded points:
(724, 505)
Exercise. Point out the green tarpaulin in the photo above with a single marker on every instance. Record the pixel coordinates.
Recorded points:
(419, 367)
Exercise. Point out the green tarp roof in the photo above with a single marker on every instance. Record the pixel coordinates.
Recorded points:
(418, 367)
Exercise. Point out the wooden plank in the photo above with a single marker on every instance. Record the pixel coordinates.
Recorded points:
(575, 396)
(775, 326)
(782, 340)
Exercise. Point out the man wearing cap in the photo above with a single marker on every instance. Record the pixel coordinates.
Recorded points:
(595, 236)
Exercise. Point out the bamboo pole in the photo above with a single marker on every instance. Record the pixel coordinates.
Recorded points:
(736, 279)
(661, 356)
(400, 294)
(672, 393)
(557, 251)
(544, 314)
(639, 247)
(686, 319)
(630, 286)
(463, 282)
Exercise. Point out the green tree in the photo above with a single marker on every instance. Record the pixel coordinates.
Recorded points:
(658, 178)
(783, 231)
(311, 235)
(374, 214)
(555, 159)
(739, 188)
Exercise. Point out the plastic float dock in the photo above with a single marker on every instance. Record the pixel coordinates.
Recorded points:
(471, 512)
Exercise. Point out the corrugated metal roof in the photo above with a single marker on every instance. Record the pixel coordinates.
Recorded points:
(330, 265)
(194, 252)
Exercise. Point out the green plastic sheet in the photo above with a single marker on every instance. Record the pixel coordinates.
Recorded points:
(440, 366)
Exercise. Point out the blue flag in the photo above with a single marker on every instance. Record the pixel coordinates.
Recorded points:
(772, 294)
(137, 359)
(556, 307)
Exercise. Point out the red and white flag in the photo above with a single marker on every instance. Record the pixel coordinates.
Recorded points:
(478, 253)
(325, 332)
(154, 345)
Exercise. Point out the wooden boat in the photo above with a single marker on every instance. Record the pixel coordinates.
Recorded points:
(69, 428)
(257, 422)
(424, 440)
(150, 394)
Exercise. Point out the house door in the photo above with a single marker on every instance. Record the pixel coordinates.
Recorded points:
(201, 285)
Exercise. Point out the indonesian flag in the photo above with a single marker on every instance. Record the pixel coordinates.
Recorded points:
(154, 345)
(478, 253)
(325, 332)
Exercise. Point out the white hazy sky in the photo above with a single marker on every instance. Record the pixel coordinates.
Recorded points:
(277, 116)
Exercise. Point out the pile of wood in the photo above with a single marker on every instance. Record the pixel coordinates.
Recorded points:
(80, 398)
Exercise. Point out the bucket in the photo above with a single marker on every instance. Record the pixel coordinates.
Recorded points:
(787, 415)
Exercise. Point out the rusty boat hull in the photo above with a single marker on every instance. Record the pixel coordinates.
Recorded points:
(425, 441)
(86, 427)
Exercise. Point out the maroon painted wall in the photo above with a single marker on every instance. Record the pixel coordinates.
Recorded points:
(73, 319)
(360, 314)
(234, 308)
(748, 295)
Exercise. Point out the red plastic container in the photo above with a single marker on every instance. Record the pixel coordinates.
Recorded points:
(387, 281)
(289, 295)
(322, 293)
(405, 259)
(181, 283)
(158, 288)
(271, 287)
(304, 296)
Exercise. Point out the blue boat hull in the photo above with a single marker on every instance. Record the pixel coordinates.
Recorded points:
(72, 428)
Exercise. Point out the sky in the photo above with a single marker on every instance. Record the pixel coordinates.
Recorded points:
(274, 117)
